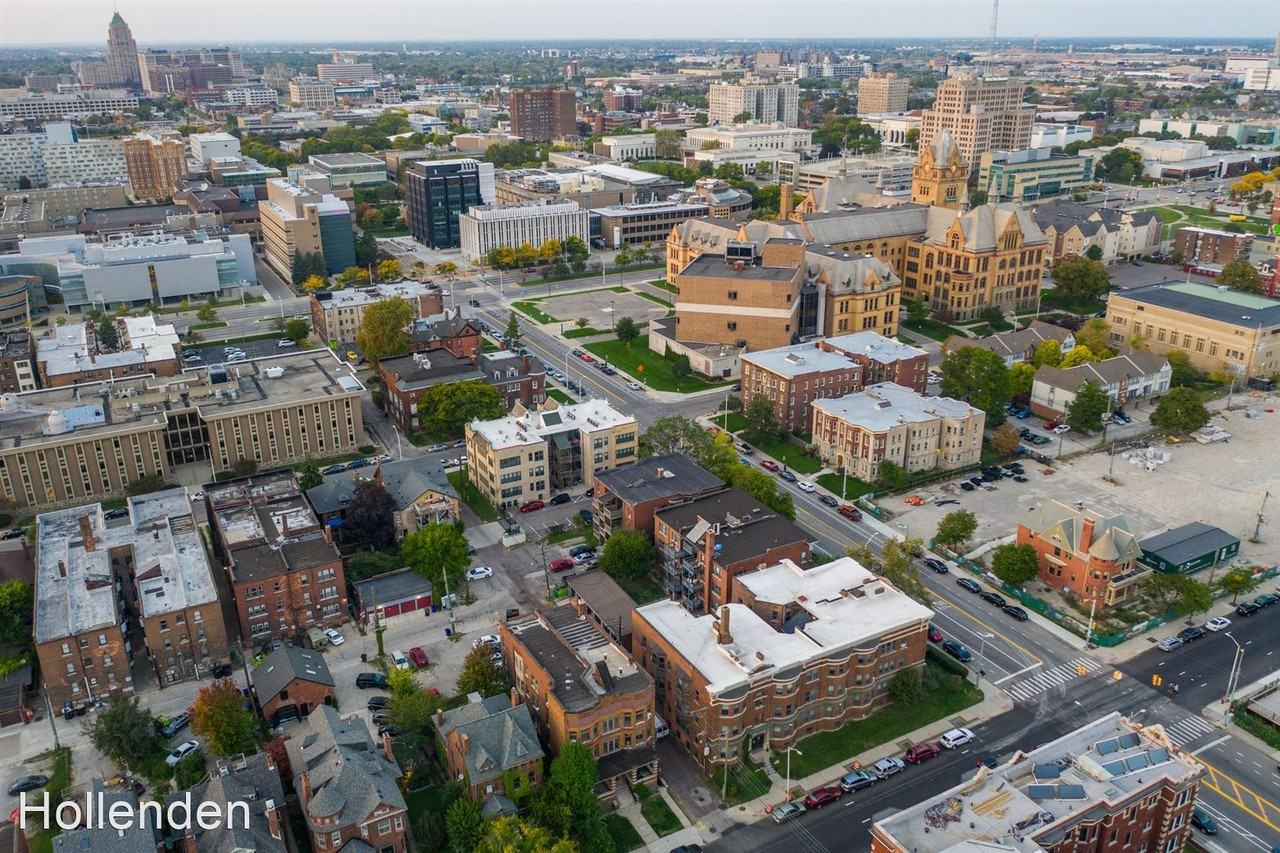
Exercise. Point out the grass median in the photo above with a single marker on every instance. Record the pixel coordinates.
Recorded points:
(637, 360)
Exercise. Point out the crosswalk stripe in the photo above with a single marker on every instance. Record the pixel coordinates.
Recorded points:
(1047, 679)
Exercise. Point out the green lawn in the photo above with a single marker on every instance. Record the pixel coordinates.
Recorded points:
(653, 298)
(624, 835)
(733, 422)
(1259, 727)
(928, 328)
(471, 496)
(854, 488)
(1165, 214)
(949, 695)
(636, 359)
(487, 345)
(1050, 300)
(746, 782)
(792, 454)
(665, 285)
(644, 590)
(659, 815)
(530, 309)
(200, 327)
(586, 332)
(557, 394)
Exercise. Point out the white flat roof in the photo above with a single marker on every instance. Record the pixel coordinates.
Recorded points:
(876, 347)
(799, 358)
(527, 427)
(887, 404)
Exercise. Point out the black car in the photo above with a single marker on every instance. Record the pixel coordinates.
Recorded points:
(371, 679)
(381, 717)
(388, 729)
(28, 783)
(993, 598)
(578, 550)
(957, 651)
(118, 512)
(977, 481)
(1190, 635)
(14, 533)
(1265, 600)
(1247, 608)
(562, 498)
(937, 565)
(176, 725)
(1018, 478)
(967, 486)
(971, 585)
(221, 670)
(788, 476)
(828, 500)
(1016, 612)
(359, 463)
(377, 703)
(688, 848)
(577, 353)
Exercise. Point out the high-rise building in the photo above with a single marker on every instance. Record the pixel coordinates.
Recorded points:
(122, 53)
(767, 102)
(882, 93)
(156, 165)
(983, 114)
(344, 72)
(437, 191)
(178, 71)
(297, 220)
(542, 115)
(309, 93)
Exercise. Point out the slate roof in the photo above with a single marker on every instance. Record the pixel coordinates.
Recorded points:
(1185, 543)
(286, 665)
(1133, 365)
(1063, 214)
(1111, 537)
(253, 781)
(108, 840)
(656, 477)
(405, 481)
(350, 776)
(499, 736)
(866, 223)
(1021, 341)
(982, 226)
(842, 192)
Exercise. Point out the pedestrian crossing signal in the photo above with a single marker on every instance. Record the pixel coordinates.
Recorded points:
(1156, 681)
(1081, 669)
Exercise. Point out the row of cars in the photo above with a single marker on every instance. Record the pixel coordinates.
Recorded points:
(1218, 623)
(859, 778)
(355, 464)
(847, 510)
(993, 474)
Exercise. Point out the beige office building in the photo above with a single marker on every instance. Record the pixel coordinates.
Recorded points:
(983, 114)
(882, 93)
(531, 454)
(290, 218)
(309, 93)
(88, 442)
(156, 165)
(62, 203)
(761, 100)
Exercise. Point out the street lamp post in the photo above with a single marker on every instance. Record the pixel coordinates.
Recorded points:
(1233, 680)
(790, 749)
(399, 446)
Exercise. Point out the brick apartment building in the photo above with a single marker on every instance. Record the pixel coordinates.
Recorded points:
(541, 115)
(291, 683)
(583, 688)
(286, 574)
(1211, 246)
(453, 332)
(1084, 553)
(336, 314)
(793, 377)
(348, 785)
(102, 594)
(626, 498)
(17, 366)
(519, 378)
(801, 650)
(1107, 785)
(705, 543)
(492, 745)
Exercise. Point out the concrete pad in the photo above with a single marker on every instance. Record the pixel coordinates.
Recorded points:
(595, 306)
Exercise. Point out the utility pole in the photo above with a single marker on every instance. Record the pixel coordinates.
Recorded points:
(724, 753)
(48, 707)
(1257, 528)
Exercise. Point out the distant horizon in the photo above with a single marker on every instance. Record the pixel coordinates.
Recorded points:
(78, 23)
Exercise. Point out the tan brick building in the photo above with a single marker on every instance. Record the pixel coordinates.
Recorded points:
(734, 680)
(882, 93)
(286, 575)
(156, 165)
(990, 256)
(982, 113)
(940, 176)
(582, 688)
(336, 315)
(106, 595)
(888, 422)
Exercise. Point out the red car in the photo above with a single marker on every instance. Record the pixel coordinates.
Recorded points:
(419, 657)
(820, 797)
(935, 633)
(849, 512)
(562, 564)
(1052, 424)
(768, 465)
(531, 506)
(586, 356)
(922, 752)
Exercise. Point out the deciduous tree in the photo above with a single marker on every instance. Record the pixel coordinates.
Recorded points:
(465, 825)
(1096, 334)
(480, 674)
(1047, 353)
(891, 476)
(435, 550)
(626, 329)
(1241, 275)
(219, 716)
(567, 804)
(125, 733)
(16, 598)
(1078, 280)
(627, 555)
(443, 410)
(1005, 439)
(1180, 410)
(1085, 412)
(309, 475)
(384, 329)
(1076, 356)
(955, 529)
(762, 426)
(1239, 580)
(1015, 563)
(1022, 377)
(763, 488)
(370, 517)
(297, 329)
(389, 270)
(979, 376)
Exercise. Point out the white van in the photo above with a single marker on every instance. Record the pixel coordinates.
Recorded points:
(955, 738)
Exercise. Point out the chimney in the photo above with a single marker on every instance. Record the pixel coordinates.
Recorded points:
(305, 780)
(1086, 534)
(273, 818)
(284, 525)
(86, 532)
(328, 533)
(515, 698)
(439, 720)
(784, 202)
(62, 568)
(386, 747)
(723, 637)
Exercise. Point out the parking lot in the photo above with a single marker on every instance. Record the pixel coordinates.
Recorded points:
(1069, 443)
(215, 353)
(601, 307)
(1221, 484)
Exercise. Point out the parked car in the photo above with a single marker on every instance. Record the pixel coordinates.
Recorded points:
(399, 661)
(1120, 417)
(967, 486)
(935, 633)
(936, 565)
(581, 549)
(819, 797)
(176, 724)
(1218, 623)
(285, 343)
(436, 448)
(1168, 644)
(378, 702)
(993, 598)
(968, 584)
(806, 487)
(1247, 608)
(1062, 429)
(531, 506)
(886, 767)
(221, 670)
(1190, 635)
(381, 717)
(479, 573)
(635, 386)
(956, 737)
(787, 811)
(1265, 600)
(562, 498)
(769, 465)
(334, 469)
(1016, 612)
(28, 783)
(560, 564)
(365, 680)
(334, 636)
(957, 651)
(850, 512)
(857, 780)
(419, 657)
(584, 557)
(922, 752)
(118, 512)
(1202, 821)
(485, 639)
(181, 751)
(828, 500)
(788, 476)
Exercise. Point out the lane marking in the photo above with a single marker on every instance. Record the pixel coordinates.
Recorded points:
(1016, 674)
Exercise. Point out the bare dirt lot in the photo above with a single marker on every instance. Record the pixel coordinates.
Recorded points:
(1221, 484)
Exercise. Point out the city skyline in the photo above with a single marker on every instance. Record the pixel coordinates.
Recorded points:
(81, 21)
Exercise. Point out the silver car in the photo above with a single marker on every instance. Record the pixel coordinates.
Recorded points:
(787, 811)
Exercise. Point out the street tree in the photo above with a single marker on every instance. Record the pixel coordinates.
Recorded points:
(955, 529)
(480, 674)
(370, 516)
(1194, 598)
(297, 329)
(1241, 275)
(762, 426)
(763, 488)
(1238, 581)
(1015, 564)
(207, 312)
(437, 551)
(674, 434)
(446, 268)
(384, 329)
(1004, 440)
(1085, 412)
(445, 409)
(512, 332)
(626, 329)
(1180, 410)
(218, 715)
(1079, 280)
(627, 555)
(125, 732)
(979, 377)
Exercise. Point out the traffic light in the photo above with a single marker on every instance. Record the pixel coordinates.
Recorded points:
(1156, 681)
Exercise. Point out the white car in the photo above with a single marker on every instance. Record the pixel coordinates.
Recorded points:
(198, 496)
(1061, 429)
(285, 343)
(934, 378)
(184, 749)
(955, 738)
(635, 386)
(1218, 623)
(400, 661)
(334, 636)
(806, 486)
(479, 573)
(490, 639)
(436, 448)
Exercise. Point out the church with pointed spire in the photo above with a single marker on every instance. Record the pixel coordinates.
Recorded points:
(939, 177)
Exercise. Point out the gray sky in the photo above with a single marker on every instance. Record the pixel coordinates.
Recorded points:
(35, 21)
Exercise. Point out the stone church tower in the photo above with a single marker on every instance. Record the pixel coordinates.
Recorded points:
(939, 176)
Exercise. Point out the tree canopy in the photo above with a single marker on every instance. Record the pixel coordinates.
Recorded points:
(980, 377)
(436, 550)
(445, 409)
(1180, 410)
(1079, 279)
(219, 716)
(125, 732)
(956, 528)
(1085, 412)
(627, 555)
(480, 674)
(1015, 564)
(384, 329)
(1241, 275)
(370, 517)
